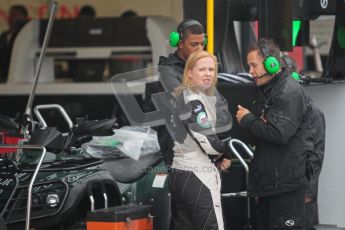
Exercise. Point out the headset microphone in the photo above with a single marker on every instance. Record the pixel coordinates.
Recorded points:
(262, 75)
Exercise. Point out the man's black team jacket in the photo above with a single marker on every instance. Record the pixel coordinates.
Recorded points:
(279, 164)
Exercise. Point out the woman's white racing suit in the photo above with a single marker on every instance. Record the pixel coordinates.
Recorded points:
(194, 180)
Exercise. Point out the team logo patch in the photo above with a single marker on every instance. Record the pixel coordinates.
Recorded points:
(198, 108)
(289, 223)
(202, 120)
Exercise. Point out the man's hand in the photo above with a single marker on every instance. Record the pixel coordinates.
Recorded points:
(308, 199)
(224, 164)
(241, 112)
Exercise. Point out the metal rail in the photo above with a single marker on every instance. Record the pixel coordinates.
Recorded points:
(40, 59)
(29, 200)
(52, 106)
(245, 165)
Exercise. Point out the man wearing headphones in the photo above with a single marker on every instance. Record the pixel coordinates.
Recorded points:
(277, 175)
(188, 37)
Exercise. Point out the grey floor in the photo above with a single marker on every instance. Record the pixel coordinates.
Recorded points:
(327, 227)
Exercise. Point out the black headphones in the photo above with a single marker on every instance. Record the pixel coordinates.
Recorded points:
(271, 63)
(175, 36)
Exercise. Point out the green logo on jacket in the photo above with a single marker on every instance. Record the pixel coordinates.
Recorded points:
(202, 120)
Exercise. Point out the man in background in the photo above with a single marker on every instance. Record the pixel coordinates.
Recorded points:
(18, 16)
(87, 11)
(188, 37)
(315, 157)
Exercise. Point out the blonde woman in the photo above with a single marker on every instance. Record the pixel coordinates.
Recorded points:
(199, 113)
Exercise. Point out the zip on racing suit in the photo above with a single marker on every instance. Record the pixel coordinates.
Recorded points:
(194, 180)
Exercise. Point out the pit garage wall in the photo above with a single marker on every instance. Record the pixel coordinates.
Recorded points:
(104, 8)
(331, 100)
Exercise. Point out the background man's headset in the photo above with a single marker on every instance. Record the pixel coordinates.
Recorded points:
(176, 36)
(295, 76)
(271, 63)
(291, 66)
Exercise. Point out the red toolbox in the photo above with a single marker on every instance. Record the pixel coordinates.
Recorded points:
(123, 217)
(6, 138)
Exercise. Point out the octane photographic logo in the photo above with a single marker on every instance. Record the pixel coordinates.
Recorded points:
(126, 85)
(323, 4)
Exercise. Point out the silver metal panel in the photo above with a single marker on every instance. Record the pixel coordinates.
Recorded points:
(331, 100)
